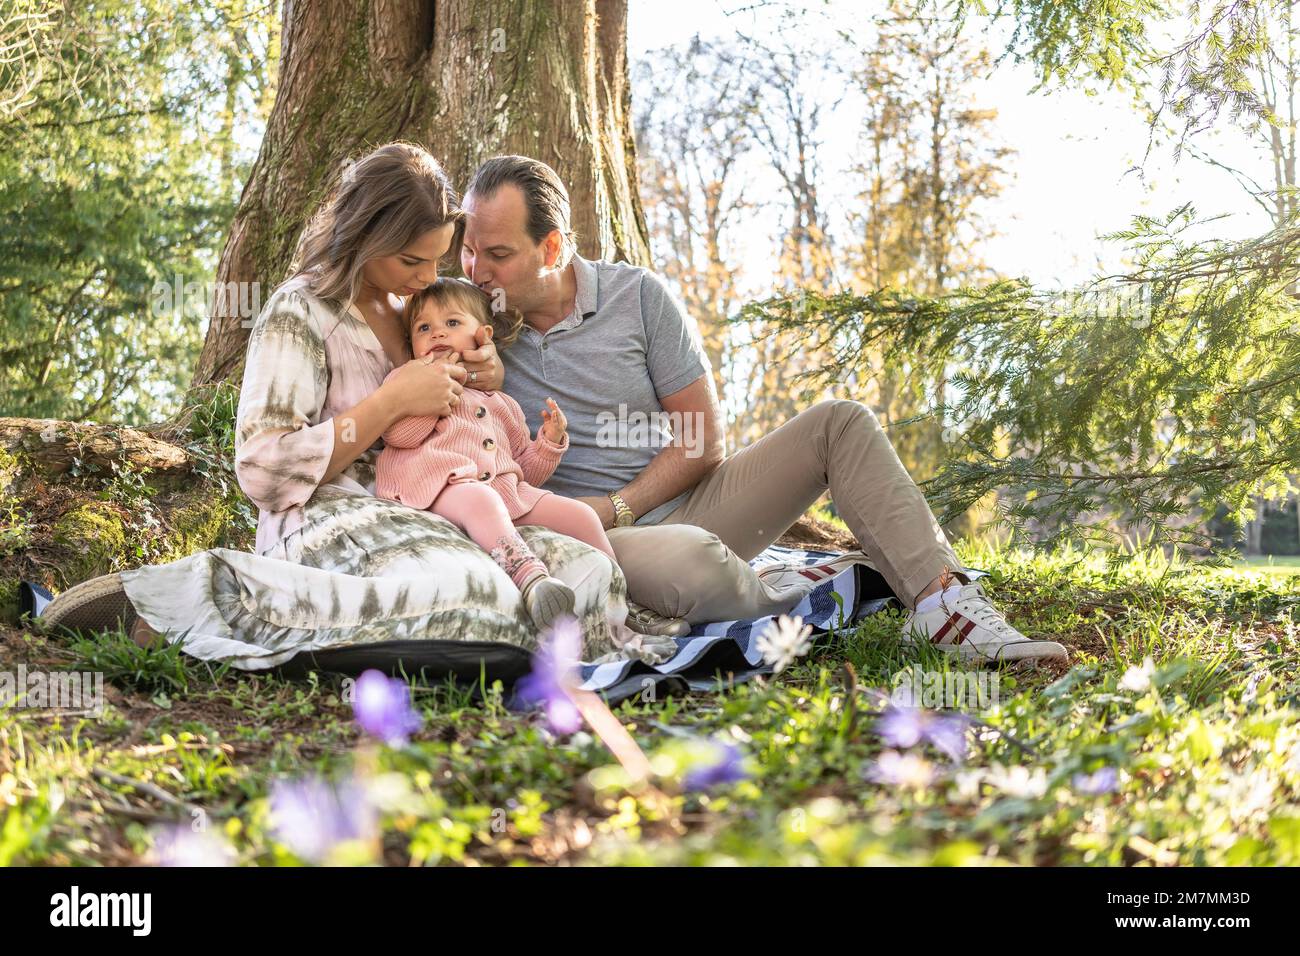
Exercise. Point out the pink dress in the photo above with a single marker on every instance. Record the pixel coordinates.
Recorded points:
(485, 438)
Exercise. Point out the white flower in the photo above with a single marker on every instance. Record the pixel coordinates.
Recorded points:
(1245, 795)
(902, 770)
(968, 783)
(783, 641)
(1292, 764)
(1017, 781)
(179, 845)
(1138, 679)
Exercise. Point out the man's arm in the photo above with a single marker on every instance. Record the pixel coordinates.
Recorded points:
(698, 447)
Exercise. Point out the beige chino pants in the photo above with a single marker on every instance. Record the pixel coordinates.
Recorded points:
(694, 563)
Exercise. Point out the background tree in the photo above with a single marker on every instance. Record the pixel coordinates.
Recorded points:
(107, 187)
(693, 135)
(930, 162)
(786, 124)
(465, 79)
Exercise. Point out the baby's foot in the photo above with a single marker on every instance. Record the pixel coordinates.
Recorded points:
(546, 598)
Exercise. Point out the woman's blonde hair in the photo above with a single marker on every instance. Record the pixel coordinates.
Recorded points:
(505, 323)
(385, 201)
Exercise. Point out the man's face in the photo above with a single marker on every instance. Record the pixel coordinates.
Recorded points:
(498, 253)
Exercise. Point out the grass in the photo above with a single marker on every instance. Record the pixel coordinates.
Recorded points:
(1206, 761)
(1273, 563)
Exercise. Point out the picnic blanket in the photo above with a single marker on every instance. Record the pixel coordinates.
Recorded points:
(710, 658)
(725, 653)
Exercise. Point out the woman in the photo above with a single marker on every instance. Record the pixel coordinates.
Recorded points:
(334, 565)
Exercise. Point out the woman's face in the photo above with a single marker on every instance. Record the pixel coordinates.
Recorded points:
(414, 267)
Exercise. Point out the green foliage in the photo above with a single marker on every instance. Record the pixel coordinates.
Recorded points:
(1103, 40)
(1205, 753)
(115, 184)
(1227, 54)
(1147, 398)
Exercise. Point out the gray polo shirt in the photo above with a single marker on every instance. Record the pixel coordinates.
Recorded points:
(627, 344)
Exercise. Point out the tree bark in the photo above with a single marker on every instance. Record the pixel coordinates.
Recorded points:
(464, 79)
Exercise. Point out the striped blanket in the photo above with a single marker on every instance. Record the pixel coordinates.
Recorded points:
(716, 655)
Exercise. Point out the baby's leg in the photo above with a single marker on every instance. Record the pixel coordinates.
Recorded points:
(569, 516)
(479, 511)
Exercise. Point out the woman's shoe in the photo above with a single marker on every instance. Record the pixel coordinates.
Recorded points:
(99, 604)
(645, 621)
(547, 598)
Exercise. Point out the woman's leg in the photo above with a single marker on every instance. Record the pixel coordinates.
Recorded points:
(479, 511)
(569, 516)
(361, 571)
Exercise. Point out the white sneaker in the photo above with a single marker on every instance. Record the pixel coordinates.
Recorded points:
(786, 576)
(973, 628)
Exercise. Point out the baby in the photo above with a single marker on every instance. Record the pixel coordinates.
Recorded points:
(477, 466)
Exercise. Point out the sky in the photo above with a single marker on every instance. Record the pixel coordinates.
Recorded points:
(1073, 179)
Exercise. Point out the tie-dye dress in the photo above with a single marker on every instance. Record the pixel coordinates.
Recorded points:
(336, 566)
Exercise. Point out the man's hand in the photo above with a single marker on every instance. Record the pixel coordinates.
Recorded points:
(603, 507)
(482, 363)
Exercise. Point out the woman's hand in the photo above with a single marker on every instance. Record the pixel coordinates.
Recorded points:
(554, 424)
(482, 364)
(425, 386)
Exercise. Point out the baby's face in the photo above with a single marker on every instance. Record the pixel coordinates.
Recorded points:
(443, 329)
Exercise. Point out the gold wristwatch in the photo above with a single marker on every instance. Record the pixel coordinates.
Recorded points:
(623, 516)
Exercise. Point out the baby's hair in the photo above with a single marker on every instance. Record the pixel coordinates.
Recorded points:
(506, 323)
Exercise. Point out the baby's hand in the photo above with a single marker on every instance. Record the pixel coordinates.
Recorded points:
(554, 424)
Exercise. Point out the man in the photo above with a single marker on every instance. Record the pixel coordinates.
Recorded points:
(610, 344)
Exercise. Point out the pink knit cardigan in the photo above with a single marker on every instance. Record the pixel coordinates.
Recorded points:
(485, 438)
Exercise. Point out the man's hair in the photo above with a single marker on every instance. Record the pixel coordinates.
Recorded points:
(545, 197)
(446, 291)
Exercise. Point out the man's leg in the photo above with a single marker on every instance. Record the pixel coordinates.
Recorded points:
(754, 496)
(681, 570)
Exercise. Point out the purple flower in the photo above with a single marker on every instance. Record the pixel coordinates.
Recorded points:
(947, 732)
(555, 667)
(311, 816)
(902, 726)
(182, 845)
(1098, 782)
(905, 727)
(382, 706)
(726, 769)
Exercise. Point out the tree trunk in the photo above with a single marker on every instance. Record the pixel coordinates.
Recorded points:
(464, 79)
(1255, 530)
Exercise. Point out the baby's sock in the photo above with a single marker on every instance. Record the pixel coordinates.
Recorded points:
(517, 559)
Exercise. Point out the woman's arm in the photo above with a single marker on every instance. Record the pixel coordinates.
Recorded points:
(357, 429)
(282, 449)
(281, 457)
